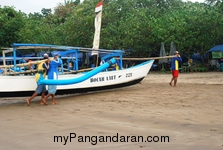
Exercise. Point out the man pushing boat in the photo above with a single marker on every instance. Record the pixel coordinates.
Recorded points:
(52, 73)
(41, 74)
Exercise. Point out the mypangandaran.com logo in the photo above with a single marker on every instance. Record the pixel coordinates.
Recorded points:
(94, 140)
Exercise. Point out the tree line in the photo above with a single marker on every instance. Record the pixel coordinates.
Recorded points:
(140, 25)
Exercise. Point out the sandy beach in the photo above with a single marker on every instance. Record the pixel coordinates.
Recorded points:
(191, 115)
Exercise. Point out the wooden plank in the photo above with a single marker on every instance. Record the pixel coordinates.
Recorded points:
(24, 64)
(35, 71)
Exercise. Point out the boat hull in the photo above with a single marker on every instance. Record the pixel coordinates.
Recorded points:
(15, 86)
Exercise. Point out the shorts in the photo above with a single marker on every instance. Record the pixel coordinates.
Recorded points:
(52, 89)
(175, 73)
(41, 89)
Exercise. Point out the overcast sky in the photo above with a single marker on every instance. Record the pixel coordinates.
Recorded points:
(31, 6)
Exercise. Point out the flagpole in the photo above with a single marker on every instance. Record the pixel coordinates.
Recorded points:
(98, 19)
(99, 41)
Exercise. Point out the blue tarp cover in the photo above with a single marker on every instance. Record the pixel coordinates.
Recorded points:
(217, 48)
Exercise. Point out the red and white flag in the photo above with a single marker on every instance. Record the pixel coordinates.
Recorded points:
(99, 7)
(97, 24)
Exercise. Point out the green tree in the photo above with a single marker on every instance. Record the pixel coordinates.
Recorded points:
(140, 25)
(11, 22)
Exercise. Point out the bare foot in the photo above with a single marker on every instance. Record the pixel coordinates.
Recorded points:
(43, 101)
(28, 102)
(170, 83)
(54, 103)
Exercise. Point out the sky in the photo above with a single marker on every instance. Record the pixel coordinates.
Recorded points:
(31, 6)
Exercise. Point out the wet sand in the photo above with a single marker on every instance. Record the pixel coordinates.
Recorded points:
(190, 114)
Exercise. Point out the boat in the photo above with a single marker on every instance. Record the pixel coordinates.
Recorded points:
(16, 82)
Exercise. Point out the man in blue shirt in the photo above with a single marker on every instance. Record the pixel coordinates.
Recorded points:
(175, 67)
(52, 73)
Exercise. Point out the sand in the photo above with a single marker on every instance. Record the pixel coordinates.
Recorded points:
(190, 114)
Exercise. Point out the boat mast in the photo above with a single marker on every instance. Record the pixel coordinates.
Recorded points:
(97, 23)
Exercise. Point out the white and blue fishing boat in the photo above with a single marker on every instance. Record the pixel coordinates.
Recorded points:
(16, 81)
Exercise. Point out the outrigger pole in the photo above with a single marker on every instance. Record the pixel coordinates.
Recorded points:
(77, 71)
(37, 62)
(35, 71)
(24, 64)
(149, 58)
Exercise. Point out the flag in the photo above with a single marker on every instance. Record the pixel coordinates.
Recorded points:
(97, 24)
(98, 7)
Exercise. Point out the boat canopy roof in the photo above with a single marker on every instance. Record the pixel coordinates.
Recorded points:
(43, 46)
(58, 47)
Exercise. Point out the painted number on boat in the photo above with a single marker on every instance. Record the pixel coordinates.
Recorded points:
(128, 75)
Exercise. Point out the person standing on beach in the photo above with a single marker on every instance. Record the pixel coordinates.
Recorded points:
(53, 74)
(41, 74)
(175, 67)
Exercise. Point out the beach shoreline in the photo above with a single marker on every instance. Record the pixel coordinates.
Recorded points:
(190, 114)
